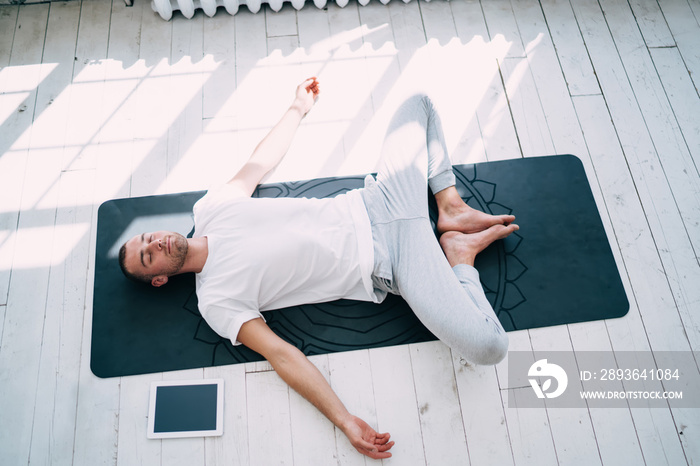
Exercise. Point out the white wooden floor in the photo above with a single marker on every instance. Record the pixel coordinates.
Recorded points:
(100, 101)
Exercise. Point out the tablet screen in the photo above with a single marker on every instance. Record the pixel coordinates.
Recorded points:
(186, 409)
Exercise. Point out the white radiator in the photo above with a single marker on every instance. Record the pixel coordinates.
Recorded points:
(187, 7)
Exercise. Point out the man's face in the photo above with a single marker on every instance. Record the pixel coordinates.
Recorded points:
(160, 253)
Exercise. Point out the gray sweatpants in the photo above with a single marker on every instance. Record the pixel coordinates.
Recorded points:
(408, 261)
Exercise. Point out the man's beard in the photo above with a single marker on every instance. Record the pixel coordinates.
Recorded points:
(178, 254)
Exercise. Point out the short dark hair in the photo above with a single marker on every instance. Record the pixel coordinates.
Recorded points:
(130, 275)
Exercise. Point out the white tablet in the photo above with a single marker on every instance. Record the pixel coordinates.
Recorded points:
(186, 408)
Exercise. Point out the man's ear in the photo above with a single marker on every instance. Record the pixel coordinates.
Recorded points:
(159, 280)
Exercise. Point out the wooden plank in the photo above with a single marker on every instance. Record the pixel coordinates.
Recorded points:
(572, 429)
(695, 6)
(392, 39)
(348, 70)
(66, 285)
(456, 102)
(679, 91)
(97, 416)
(482, 413)
(122, 77)
(686, 32)
(8, 24)
(281, 23)
(314, 40)
(571, 50)
(153, 113)
(518, 340)
(529, 428)
(23, 316)
(395, 399)
(494, 117)
(52, 105)
(316, 49)
(133, 447)
(524, 102)
(652, 23)
(219, 45)
(551, 84)
(502, 26)
(351, 379)
(637, 249)
(313, 435)
(67, 293)
(409, 34)
(232, 447)
(21, 74)
(381, 52)
(253, 78)
(687, 421)
(614, 428)
(19, 78)
(411, 56)
(188, 73)
(303, 157)
(216, 145)
(88, 112)
(268, 418)
(471, 29)
(258, 366)
(382, 78)
(231, 93)
(444, 439)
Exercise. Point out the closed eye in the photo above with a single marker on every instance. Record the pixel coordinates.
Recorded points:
(150, 254)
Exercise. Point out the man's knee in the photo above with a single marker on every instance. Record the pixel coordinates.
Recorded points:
(494, 350)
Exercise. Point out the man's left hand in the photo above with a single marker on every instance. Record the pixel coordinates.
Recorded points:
(306, 95)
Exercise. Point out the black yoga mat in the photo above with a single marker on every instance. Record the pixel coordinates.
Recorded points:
(557, 269)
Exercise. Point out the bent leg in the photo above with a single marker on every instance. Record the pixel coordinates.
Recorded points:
(449, 301)
(408, 259)
(414, 155)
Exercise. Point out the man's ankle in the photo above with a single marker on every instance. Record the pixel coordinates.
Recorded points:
(448, 200)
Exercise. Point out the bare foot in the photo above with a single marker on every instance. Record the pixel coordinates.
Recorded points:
(461, 248)
(455, 215)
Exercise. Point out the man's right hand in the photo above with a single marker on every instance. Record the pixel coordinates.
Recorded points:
(366, 440)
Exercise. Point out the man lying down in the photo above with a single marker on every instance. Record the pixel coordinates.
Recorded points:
(256, 254)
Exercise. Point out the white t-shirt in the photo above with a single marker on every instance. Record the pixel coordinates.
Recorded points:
(271, 253)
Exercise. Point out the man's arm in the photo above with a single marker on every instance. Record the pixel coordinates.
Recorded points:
(274, 146)
(305, 378)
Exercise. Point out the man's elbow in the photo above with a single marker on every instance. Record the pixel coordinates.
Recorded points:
(283, 355)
